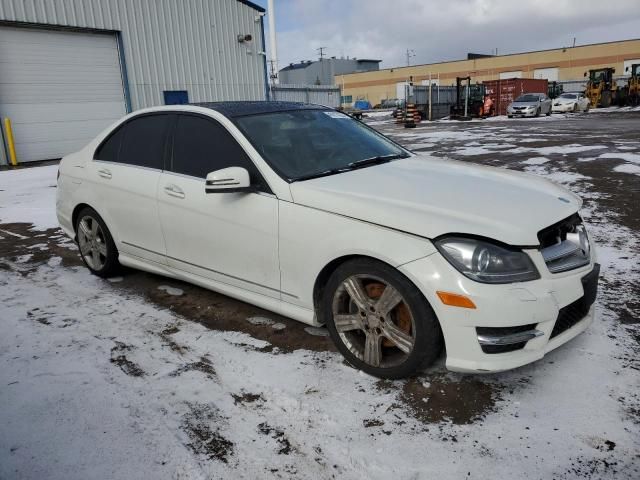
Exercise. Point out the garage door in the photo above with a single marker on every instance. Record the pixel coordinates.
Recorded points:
(58, 88)
(550, 74)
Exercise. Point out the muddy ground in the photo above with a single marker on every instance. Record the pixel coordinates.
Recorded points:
(612, 208)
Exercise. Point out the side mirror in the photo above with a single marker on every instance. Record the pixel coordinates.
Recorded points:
(229, 180)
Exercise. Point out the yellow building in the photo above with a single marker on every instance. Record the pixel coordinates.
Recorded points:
(561, 64)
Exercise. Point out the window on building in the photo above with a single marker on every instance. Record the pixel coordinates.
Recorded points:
(346, 99)
(176, 97)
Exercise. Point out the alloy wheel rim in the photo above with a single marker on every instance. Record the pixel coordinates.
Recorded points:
(373, 321)
(92, 243)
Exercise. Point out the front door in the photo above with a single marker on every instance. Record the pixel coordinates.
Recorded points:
(231, 238)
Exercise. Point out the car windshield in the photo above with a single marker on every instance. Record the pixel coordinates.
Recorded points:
(568, 95)
(305, 144)
(527, 98)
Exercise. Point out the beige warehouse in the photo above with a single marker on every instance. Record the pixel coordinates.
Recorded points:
(562, 64)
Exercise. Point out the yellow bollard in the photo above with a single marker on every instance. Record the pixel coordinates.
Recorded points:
(12, 146)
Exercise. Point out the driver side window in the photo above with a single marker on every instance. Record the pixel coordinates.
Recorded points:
(202, 145)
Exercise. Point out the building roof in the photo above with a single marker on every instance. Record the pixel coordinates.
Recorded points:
(243, 108)
(252, 5)
(308, 63)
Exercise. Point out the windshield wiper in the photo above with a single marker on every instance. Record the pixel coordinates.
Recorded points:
(351, 166)
(365, 162)
(324, 173)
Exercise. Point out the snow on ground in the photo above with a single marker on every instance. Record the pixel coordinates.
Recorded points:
(629, 157)
(18, 202)
(627, 168)
(99, 381)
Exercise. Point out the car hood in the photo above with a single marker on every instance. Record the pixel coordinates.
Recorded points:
(565, 100)
(429, 196)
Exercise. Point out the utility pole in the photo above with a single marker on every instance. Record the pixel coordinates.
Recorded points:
(321, 52)
(410, 54)
(272, 42)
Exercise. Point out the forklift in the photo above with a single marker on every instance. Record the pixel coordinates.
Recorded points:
(633, 85)
(602, 90)
(554, 90)
(469, 100)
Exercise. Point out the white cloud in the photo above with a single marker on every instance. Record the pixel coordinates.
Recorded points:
(444, 30)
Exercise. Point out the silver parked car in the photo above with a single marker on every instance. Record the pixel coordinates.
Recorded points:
(530, 105)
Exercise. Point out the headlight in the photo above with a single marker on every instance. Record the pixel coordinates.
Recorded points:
(487, 262)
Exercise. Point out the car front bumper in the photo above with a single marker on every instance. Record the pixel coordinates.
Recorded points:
(521, 113)
(562, 108)
(531, 306)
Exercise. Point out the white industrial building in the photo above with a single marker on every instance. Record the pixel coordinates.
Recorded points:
(69, 68)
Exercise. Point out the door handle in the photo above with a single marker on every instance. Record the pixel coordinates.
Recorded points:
(104, 173)
(174, 191)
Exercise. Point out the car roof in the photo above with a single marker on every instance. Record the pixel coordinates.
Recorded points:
(244, 108)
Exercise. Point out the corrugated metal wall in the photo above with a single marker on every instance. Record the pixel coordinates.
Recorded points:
(318, 94)
(168, 44)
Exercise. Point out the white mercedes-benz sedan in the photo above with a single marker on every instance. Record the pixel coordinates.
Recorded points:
(306, 212)
(571, 102)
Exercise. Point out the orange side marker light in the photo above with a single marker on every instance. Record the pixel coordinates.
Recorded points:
(455, 300)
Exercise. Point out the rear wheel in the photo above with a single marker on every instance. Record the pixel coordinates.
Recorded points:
(379, 320)
(97, 248)
(605, 99)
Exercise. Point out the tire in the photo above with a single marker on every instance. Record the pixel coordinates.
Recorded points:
(538, 112)
(509, 116)
(97, 248)
(575, 108)
(605, 99)
(383, 342)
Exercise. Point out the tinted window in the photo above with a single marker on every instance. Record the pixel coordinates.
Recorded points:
(201, 146)
(110, 149)
(144, 141)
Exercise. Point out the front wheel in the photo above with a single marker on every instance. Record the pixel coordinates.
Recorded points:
(97, 248)
(538, 112)
(379, 320)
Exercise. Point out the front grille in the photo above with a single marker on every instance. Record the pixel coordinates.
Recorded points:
(573, 313)
(500, 331)
(565, 245)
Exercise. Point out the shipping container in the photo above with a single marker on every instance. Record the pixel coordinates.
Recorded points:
(503, 92)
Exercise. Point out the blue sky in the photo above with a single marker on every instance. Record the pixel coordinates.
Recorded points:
(444, 30)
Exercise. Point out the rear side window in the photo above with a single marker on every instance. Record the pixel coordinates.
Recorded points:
(144, 141)
(110, 149)
(201, 146)
(139, 142)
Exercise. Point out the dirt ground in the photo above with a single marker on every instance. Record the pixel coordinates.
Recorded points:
(597, 155)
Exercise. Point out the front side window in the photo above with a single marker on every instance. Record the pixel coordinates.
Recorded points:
(201, 146)
(304, 144)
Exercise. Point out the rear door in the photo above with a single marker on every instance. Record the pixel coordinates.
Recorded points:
(230, 238)
(125, 173)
